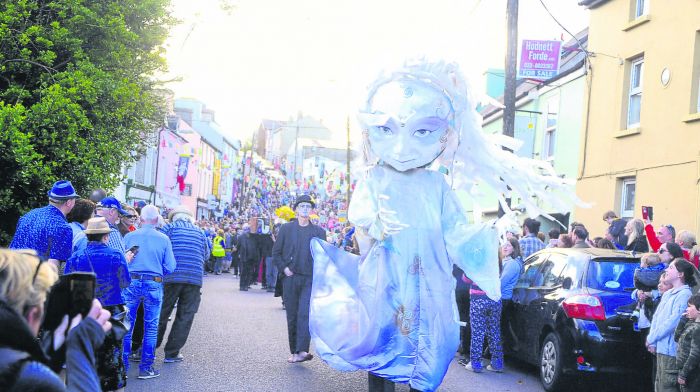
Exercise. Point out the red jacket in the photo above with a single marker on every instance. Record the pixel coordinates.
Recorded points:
(655, 244)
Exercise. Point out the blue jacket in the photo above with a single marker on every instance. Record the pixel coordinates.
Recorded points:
(509, 276)
(110, 268)
(668, 314)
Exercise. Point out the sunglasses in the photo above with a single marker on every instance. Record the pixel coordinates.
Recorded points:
(36, 272)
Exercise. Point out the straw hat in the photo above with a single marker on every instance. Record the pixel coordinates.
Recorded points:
(97, 225)
(179, 210)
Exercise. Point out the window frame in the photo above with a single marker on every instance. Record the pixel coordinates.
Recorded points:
(697, 109)
(636, 69)
(641, 8)
(624, 182)
(550, 131)
(696, 75)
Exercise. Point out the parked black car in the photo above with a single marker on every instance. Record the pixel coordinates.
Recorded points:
(573, 315)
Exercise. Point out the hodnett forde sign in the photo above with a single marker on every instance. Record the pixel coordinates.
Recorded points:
(539, 59)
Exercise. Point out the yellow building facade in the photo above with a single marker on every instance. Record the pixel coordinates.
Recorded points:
(640, 141)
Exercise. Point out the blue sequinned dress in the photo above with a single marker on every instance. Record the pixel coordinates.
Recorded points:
(392, 311)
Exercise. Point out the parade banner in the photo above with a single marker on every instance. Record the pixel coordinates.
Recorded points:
(539, 59)
(182, 171)
(217, 177)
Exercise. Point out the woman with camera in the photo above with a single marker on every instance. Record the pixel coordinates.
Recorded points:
(24, 364)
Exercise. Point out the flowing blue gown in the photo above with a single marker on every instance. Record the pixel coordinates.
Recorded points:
(392, 311)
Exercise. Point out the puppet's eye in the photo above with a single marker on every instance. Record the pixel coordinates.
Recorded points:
(385, 130)
(422, 133)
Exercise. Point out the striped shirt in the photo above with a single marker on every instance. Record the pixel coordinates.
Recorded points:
(191, 250)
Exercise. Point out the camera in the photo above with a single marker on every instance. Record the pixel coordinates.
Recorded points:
(72, 295)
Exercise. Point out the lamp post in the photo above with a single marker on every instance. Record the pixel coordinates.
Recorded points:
(347, 166)
(296, 146)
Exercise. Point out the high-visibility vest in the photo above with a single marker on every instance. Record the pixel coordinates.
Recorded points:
(217, 249)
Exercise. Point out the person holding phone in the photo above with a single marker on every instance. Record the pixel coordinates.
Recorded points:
(112, 275)
(666, 233)
(154, 260)
(24, 365)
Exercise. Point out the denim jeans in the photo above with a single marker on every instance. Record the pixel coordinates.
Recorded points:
(151, 294)
(270, 273)
(217, 264)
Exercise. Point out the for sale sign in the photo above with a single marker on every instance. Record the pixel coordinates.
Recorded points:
(539, 59)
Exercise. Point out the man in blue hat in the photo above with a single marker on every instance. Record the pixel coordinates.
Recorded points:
(45, 229)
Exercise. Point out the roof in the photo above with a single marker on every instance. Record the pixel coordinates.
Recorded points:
(572, 59)
(304, 122)
(210, 130)
(595, 253)
(592, 3)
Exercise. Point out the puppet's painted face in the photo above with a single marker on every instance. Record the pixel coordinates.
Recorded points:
(408, 124)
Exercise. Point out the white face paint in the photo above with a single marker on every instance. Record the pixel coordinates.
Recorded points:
(408, 124)
(303, 210)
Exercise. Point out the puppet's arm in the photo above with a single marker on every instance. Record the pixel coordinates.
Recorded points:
(473, 248)
(369, 213)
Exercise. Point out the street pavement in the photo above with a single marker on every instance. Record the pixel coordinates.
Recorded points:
(239, 343)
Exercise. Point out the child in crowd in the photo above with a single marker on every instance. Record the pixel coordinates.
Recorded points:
(688, 353)
(646, 279)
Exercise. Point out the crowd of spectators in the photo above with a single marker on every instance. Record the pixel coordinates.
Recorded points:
(666, 314)
(134, 250)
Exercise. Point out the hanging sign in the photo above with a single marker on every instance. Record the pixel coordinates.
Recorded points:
(539, 59)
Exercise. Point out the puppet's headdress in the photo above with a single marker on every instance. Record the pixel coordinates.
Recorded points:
(473, 157)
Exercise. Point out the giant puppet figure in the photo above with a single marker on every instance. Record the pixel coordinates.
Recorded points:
(391, 311)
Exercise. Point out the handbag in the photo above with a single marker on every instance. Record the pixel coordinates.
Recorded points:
(120, 321)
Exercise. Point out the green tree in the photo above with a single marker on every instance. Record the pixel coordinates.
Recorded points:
(78, 94)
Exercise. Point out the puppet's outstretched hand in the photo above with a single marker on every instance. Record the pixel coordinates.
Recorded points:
(386, 223)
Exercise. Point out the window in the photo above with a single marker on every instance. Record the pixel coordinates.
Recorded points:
(550, 132)
(695, 97)
(530, 272)
(612, 275)
(635, 93)
(140, 170)
(552, 271)
(628, 190)
(641, 8)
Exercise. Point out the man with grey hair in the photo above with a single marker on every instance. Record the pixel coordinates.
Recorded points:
(111, 209)
(191, 250)
(153, 260)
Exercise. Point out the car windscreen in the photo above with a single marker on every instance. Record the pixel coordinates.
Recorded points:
(611, 274)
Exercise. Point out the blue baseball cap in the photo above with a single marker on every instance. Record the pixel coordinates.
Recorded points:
(62, 190)
(112, 202)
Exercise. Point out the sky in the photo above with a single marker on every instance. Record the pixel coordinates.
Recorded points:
(273, 59)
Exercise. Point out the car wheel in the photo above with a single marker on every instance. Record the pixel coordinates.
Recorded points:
(551, 372)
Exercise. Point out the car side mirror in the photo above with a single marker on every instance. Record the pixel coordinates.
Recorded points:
(567, 283)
